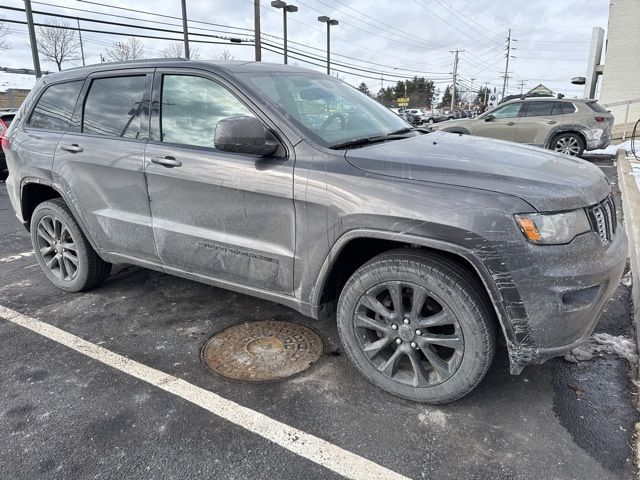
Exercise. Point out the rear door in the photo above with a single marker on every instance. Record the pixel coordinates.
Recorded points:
(502, 125)
(538, 119)
(38, 137)
(100, 160)
(223, 215)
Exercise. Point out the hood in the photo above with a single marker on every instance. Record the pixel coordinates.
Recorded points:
(546, 180)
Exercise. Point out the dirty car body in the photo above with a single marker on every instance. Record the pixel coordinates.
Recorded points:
(296, 224)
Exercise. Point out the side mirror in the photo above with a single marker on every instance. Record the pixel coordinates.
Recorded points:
(490, 117)
(245, 135)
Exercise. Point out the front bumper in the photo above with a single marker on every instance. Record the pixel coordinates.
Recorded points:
(564, 295)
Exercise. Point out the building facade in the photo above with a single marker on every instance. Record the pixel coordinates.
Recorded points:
(621, 75)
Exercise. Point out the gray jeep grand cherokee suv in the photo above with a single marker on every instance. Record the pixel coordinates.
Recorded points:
(290, 185)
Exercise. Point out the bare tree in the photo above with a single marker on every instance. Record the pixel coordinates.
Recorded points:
(176, 50)
(225, 55)
(57, 42)
(4, 31)
(129, 49)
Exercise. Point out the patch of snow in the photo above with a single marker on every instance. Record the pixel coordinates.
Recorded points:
(627, 280)
(601, 344)
(613, 149)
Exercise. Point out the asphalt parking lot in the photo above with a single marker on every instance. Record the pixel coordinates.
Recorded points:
(66, 415)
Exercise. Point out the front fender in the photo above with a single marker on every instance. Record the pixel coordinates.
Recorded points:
(498, 284)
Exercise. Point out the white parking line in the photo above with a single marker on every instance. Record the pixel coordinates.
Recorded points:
(303, 444)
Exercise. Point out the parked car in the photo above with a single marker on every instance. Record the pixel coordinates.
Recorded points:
(432, 118)
(425, 246)
(568, 126)
(6, 116)
(414, 115)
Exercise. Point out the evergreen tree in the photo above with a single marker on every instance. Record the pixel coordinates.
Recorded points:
(364, 89)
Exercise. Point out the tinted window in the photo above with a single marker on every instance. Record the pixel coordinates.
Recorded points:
(55, 107)
(192, 107)
(562, 108)
(539, 109)
(113, 106)
(596, 107)
(508, 111)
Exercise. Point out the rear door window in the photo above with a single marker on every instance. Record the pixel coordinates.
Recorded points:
(113, 106)
(55, 107)
(563, 108)
(539, 109)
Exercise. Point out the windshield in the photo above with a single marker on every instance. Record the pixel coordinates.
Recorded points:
(328, 110)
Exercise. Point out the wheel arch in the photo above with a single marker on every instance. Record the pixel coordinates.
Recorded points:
(34, 191)
(565, 129)
(356, 247)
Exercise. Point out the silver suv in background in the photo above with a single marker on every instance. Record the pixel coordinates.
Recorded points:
(568, 126)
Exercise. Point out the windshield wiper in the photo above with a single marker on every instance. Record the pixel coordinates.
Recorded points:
(361, 141)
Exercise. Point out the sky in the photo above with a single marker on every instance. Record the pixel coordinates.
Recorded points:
(376, 42)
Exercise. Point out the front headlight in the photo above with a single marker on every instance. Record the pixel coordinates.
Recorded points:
(553, 229)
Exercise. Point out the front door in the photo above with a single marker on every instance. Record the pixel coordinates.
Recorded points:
(223, 215)
(501, 123)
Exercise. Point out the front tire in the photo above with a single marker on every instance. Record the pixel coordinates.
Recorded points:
(417, 326)
(568, 143)
(65, 255)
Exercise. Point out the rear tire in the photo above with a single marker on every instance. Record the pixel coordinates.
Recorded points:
(63, 252)
(417, 326)
(568, 143)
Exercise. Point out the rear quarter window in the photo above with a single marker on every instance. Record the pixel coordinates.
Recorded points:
(55, 107)
(596, 107)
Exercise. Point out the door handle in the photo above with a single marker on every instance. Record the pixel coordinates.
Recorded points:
(167, 161)
(73, 148)
(511, 124)
(552, 122)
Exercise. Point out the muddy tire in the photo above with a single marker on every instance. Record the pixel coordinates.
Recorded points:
(65, 255)
(418, 326)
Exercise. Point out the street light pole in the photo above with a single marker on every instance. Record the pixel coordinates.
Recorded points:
(329, 22)
(285, 8)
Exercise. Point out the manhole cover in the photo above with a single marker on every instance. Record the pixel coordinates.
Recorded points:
(260, 351)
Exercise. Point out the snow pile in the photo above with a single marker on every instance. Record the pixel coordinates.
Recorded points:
(613, 149)
(627, 280)
(601, 344)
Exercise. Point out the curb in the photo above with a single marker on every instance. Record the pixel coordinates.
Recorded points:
(631, 210)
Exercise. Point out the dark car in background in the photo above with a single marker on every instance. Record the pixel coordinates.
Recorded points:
(6, 117)
(292, 186)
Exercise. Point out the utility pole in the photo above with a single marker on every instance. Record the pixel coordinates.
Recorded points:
(474, 100)
(506, 67)
(32, 38)
(455, 75)
(184, 29)
(80, 36)
(256, 27)
(486, 93)
(522, 83)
